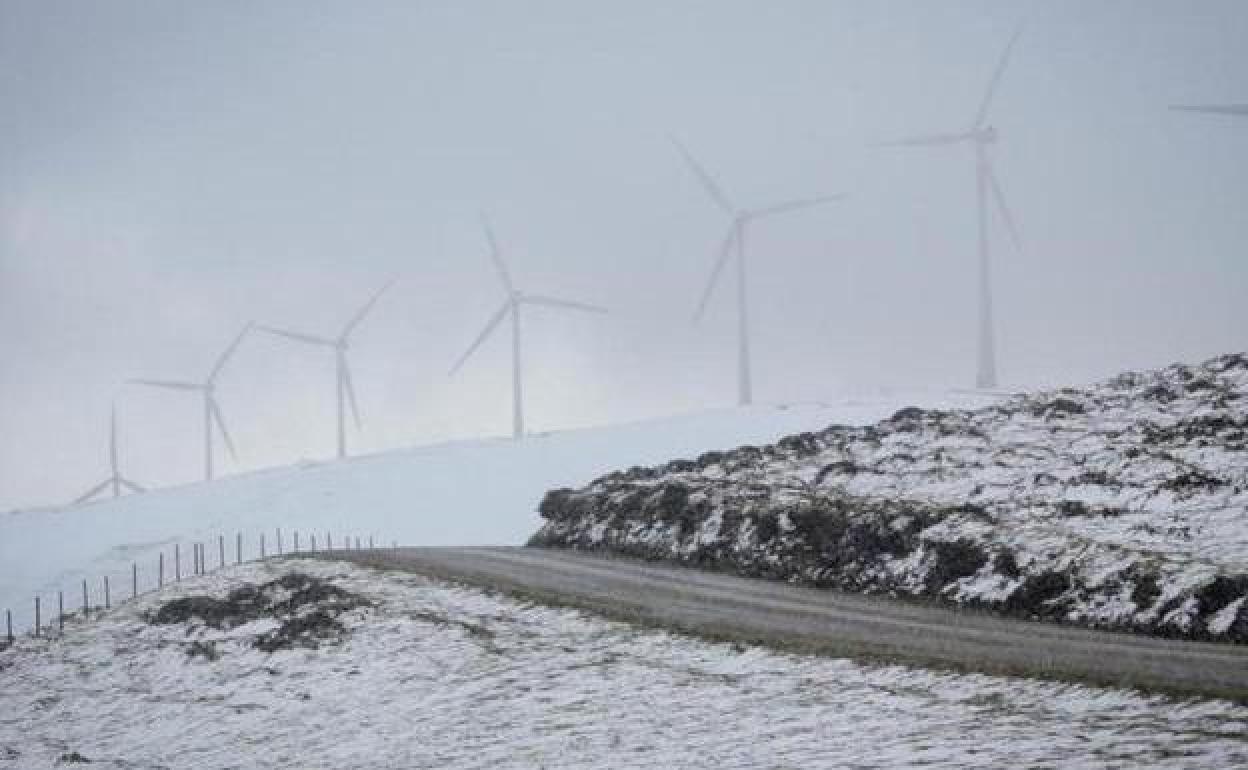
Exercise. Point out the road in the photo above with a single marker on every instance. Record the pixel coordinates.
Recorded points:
(791, 617)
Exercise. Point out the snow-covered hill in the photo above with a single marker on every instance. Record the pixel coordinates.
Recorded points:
(468, 493)
(1123, 504)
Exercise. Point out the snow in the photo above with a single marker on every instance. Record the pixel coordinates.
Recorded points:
(1143, 477)
(467, 493)
(435, 675)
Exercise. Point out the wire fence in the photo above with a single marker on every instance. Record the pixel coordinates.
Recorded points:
(170, 565)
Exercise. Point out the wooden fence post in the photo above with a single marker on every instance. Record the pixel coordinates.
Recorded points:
(221, 545)
(86, 605)
(108, 603)
(134, 580)
(60, 611)
(37, 618)
(279, 541)
(329, 542)
(177, 563)
(8, 625)
(261, 545)
(296, 541)
(370, 542)
(357, 543)
(313, 536)
(238, 549)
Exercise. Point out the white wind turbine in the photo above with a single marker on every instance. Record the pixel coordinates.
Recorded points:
(212, 410)
(733, 249)
(1215, 109)
(981, 136)
(115, 480)
(342, 370)
(511, 306)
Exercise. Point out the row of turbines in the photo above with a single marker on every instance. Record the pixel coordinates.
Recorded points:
(979, 135)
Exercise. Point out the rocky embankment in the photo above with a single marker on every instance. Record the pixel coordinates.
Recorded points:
(1121, 505)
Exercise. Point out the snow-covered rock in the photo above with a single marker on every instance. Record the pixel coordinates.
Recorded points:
(1120, 505)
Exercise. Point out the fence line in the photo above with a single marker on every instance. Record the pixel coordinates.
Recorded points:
(199, 552)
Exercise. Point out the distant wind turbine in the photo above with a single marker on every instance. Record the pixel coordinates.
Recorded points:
(342, 373)
(511, 307)
(115, 480)
(1216, 109)
(212, 410)
(733, 249)
(982, 136)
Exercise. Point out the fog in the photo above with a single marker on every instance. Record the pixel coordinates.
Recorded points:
(170, 171)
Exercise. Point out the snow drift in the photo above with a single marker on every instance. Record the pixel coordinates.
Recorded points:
(1120, 505)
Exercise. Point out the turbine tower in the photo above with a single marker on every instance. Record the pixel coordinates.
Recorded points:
(342, 370)
(115, 480)
(515, 300)
(732, 249)
(212, 410)
(981, 136)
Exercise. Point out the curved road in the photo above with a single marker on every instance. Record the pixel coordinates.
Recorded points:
(759, 611)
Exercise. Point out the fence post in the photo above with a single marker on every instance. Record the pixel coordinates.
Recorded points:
(199, 558)
(60, 611)
(329, 542)
(177, 563)
(108, 602)
(357, 543)
(221, 545)
(394, 544)
(86, 605)
(37, 617)
(160, 571)
(296, 541)
(313, 536)
(370, 542)
(261, 545)
(279, 541)
(238, 549)
(8, 625)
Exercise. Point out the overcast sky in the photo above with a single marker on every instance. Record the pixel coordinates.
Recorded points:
(169, 171)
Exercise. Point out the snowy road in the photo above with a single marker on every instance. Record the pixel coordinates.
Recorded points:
(730, 607)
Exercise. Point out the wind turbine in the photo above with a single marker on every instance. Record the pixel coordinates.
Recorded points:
(342, 371)
(115, 480)
(515, 300)
(981, 136)
(733, 249)
(1216, 109)
(212, 410)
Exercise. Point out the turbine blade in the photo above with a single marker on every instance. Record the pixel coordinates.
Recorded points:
(112, 439)
(220, 421)
(309, 339)
(708, 182)
(1216, 109)
(128, 484)
(926, 140)
(725, 253)
(538, 299)
(168, 384)
(364, 311)
(489, 328)
(216, 370)
(350, 388)
(982, 114)
(103, 485)
(496, 255)
(999, 196)
(790, 206)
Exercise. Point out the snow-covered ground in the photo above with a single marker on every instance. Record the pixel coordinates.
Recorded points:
(1120, 504)
(434, 675)
(465, 493)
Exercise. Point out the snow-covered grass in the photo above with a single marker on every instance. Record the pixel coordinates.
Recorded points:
(1121, 504)
(466, 493)
(435, 675)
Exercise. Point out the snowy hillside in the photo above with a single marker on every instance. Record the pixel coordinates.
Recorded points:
(343, 667)
(468, 493)
(1123, 504)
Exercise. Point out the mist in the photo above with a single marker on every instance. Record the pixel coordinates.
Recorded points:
(171, 172)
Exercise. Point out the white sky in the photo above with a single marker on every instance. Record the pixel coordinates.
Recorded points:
(171, 170)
